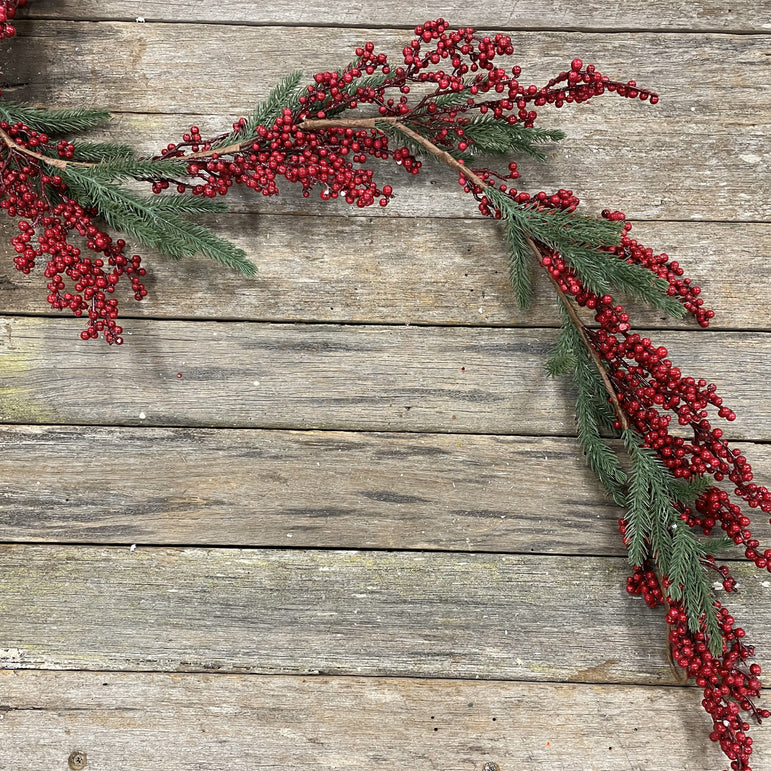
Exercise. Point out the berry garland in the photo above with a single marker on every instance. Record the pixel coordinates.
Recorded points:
(468, 106)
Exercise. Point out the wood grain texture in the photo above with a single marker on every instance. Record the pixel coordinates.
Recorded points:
(140, 722)
(309, 489)
(699, 154)
(742, 16)
(397, 378)
(423, 614)
(421, 271)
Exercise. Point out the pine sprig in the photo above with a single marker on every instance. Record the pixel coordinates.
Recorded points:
(563, 360)
(130, 168)
(282, 96)
(579, 240)
(55, 123)
(151, 224)
(101, 152)
(520, 263)
(655, 530)
(495, 137)
(600, 457)
(593, 412)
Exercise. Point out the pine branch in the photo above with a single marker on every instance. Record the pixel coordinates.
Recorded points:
(282, 96)
(562, 360)
(101, 152)
(520, 258)
(654, 528)
(579, 239)
(152, 225)
(55, 123)
(499, 137)
(130, 168)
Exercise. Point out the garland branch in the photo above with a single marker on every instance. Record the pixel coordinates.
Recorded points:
(55, 162)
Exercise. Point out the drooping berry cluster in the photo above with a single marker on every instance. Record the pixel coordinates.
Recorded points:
(46, 229)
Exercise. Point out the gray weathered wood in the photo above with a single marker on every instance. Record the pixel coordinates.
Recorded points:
(370, 613)
(672, 161)
(309, 489)
(145, 722)
(438, 379)
(742, 16)
(393, 270)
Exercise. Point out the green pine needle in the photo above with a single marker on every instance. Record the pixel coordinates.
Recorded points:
(562, 360)
(102, 152)
(55, 123)
(520, 259)
(498, 137)
(654, 529)
(130, 168)
(151, 224)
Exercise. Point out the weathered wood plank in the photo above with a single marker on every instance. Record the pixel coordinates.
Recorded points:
(309, 489)
(400, 378)
(742, 16)
(209, 722)
(424, 271)
(329, 612)
(673, 161)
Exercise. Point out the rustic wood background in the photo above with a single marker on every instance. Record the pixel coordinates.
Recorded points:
(334, 517)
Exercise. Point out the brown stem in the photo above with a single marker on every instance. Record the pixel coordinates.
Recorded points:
(58, 163)
(581, 329)
(426, 144)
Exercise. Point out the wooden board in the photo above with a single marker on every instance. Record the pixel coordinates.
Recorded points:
(309, 489)
(210, 722)
(649, 166)
(339, 613)
(396, 378)
(623, 16)
(422, 271)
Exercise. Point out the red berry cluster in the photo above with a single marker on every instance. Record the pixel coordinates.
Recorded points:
(46, 229)
(285, 150)
(730, 684)
(7, 14)
(330, 157)
(683, 288)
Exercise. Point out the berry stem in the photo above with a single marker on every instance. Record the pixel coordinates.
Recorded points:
(581, 329)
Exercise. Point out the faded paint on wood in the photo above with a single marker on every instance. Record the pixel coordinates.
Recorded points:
(397, 378)
(309, 489)
(210, 722)
(621, 16)
(331, 612)
(671, 161)
(422, 271)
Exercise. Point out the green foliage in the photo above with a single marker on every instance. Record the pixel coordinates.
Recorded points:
(151, 221)
(101, 152)
(593, 412)
(282, 96)
(498, 137)
(562, 360)
(520, 260)
(655, 530)
(130, 168)
(579, 240)
(55, 123)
